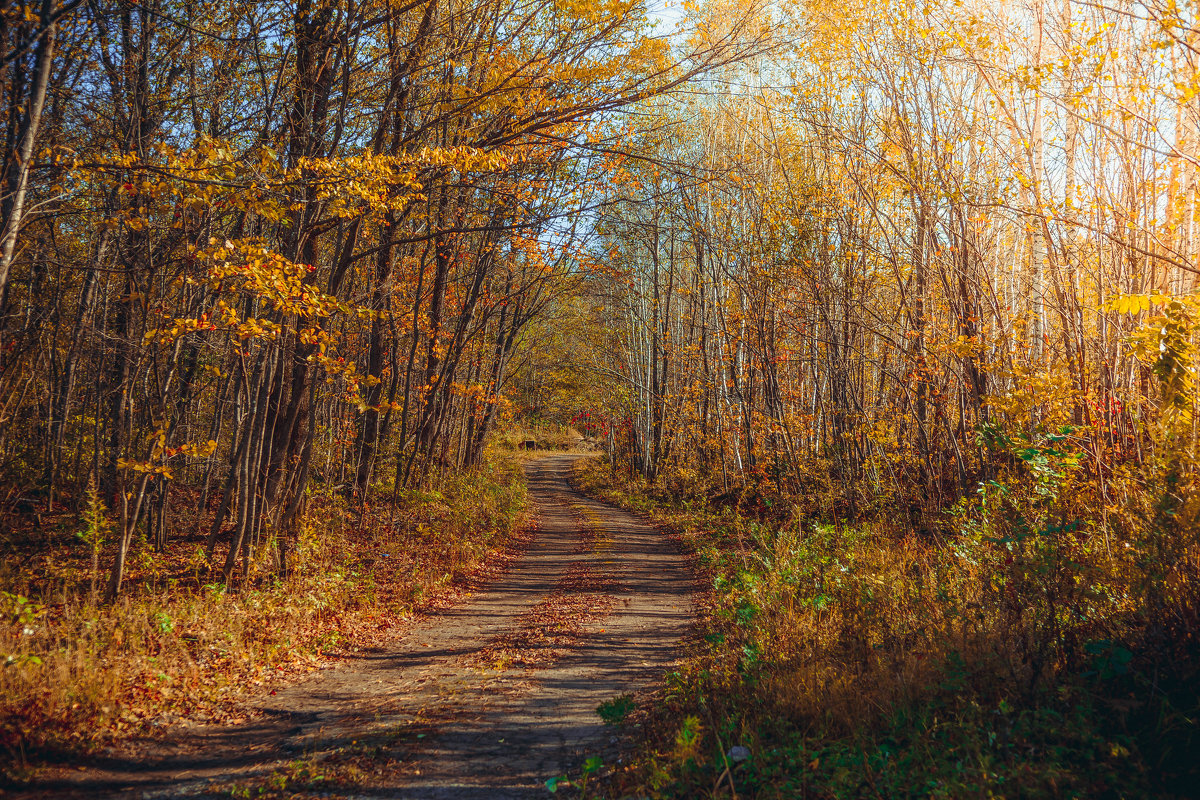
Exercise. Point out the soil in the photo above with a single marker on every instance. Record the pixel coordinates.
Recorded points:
(487, 699)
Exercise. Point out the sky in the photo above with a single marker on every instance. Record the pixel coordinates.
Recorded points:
(666, 13)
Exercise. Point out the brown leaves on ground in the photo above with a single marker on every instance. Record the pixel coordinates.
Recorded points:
(583, 597)
(547, 631)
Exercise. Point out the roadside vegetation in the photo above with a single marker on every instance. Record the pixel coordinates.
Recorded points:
(80, 672)
(1016, 656)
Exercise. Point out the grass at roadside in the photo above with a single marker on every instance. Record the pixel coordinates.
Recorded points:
(78, 673)
(855, 661)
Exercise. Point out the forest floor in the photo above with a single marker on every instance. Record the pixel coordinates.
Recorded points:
(490, 698)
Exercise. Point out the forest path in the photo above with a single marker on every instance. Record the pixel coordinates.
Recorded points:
(485, 700)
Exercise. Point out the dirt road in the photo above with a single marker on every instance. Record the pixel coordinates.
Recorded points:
(485, 700)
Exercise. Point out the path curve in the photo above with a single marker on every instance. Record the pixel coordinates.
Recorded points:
(488, 699)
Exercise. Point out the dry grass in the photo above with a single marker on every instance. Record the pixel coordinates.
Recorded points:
(79, 672)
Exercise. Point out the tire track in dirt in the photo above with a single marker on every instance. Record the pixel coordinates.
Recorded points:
(484, 700)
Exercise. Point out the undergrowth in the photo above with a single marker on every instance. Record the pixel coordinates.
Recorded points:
(1045, 647)
(78, 672)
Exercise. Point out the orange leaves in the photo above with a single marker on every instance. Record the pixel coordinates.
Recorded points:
(160, 455)
(370, 184)
(250, 267)
(213, 176)
(597, 11)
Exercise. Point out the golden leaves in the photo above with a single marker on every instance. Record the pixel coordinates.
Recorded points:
(161, 453)
(1136, 303)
